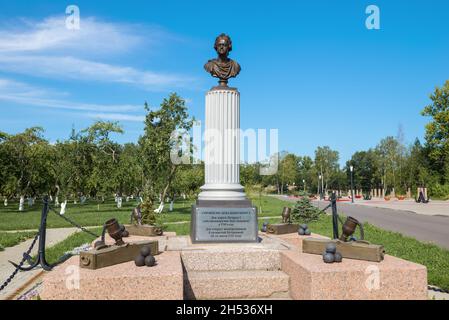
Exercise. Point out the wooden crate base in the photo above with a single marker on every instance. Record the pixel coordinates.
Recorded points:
(282, 228)
(143, 230)
(100, 258)
(350, 250)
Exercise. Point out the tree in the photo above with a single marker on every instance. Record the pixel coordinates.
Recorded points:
(437, 131)
(105, 156)
(156, 145)
(288, 170)
(26, 163)
(326, 163)
(365, 168)
(388, 151)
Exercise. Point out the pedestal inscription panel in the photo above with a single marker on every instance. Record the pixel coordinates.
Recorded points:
(215, 224)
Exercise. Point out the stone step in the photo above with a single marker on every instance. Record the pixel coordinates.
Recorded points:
(236, 284)
(229, 259)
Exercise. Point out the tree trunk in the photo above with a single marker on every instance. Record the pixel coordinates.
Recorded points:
(170, 177)
(21, 203)
(63, 207)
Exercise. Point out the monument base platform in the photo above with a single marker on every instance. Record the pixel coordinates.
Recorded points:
(273, 268)
(312, 279)
(123, 281)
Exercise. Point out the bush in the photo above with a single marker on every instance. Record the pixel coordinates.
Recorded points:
(439, 191)
(305, 212)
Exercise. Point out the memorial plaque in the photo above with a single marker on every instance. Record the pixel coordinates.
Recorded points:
(215, 224)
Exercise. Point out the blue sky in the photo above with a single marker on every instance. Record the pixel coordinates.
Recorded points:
(309, 68)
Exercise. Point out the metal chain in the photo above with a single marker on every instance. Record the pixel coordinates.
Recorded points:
(25, 257)
(73, 223)
(432, 288)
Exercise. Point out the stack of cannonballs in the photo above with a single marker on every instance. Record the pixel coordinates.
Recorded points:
(331, 255)
(145, 258)
(304, 230)
(264, 227)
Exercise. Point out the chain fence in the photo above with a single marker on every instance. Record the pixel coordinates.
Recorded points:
(73, 223)
(26, 255)
(17, 268)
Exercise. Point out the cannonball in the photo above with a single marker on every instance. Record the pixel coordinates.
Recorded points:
(307, 232)
(145, 251)
(264, 228)
(139, 260)
(338, 257)
(352, 238)
(150, 261)
(304, 226)
(301, 231)
(328, 257)
(331, 247)
(125, 234)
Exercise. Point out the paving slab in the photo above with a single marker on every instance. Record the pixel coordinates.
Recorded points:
(16, 253)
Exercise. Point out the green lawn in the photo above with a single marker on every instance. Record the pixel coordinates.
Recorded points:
(436, 259)
(94, 214)
(10, 239)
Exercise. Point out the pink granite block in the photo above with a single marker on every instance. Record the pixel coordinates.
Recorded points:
(241, 284)
(123, 281)
(391, 279)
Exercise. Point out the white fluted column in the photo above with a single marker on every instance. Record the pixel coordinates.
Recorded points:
(222, 146)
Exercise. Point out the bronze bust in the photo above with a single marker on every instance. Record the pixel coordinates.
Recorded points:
(222, 67)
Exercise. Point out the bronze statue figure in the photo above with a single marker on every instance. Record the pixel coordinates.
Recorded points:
(222, 67)
(286, 214)
(136, 215)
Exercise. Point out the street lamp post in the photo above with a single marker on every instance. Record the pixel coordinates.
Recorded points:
(351, 168)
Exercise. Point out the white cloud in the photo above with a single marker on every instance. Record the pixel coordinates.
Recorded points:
(47, 49)
(22, 93)
(52, 34)
(116, 117)
(79, 69)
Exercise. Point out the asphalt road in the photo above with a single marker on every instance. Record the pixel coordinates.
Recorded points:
(422, 227)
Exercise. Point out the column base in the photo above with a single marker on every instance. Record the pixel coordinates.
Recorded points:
(227, 192)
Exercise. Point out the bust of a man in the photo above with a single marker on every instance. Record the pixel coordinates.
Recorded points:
(222, 67)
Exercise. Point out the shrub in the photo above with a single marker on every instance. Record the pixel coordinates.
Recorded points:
(305, 212)
(439, 191)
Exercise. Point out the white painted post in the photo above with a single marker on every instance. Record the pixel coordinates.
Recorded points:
(63, 206)
(21, 203)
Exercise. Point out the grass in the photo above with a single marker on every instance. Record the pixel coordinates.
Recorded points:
(77, 239)
(436, 259)
(10, 239)
(93, 214)
(89, 214)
